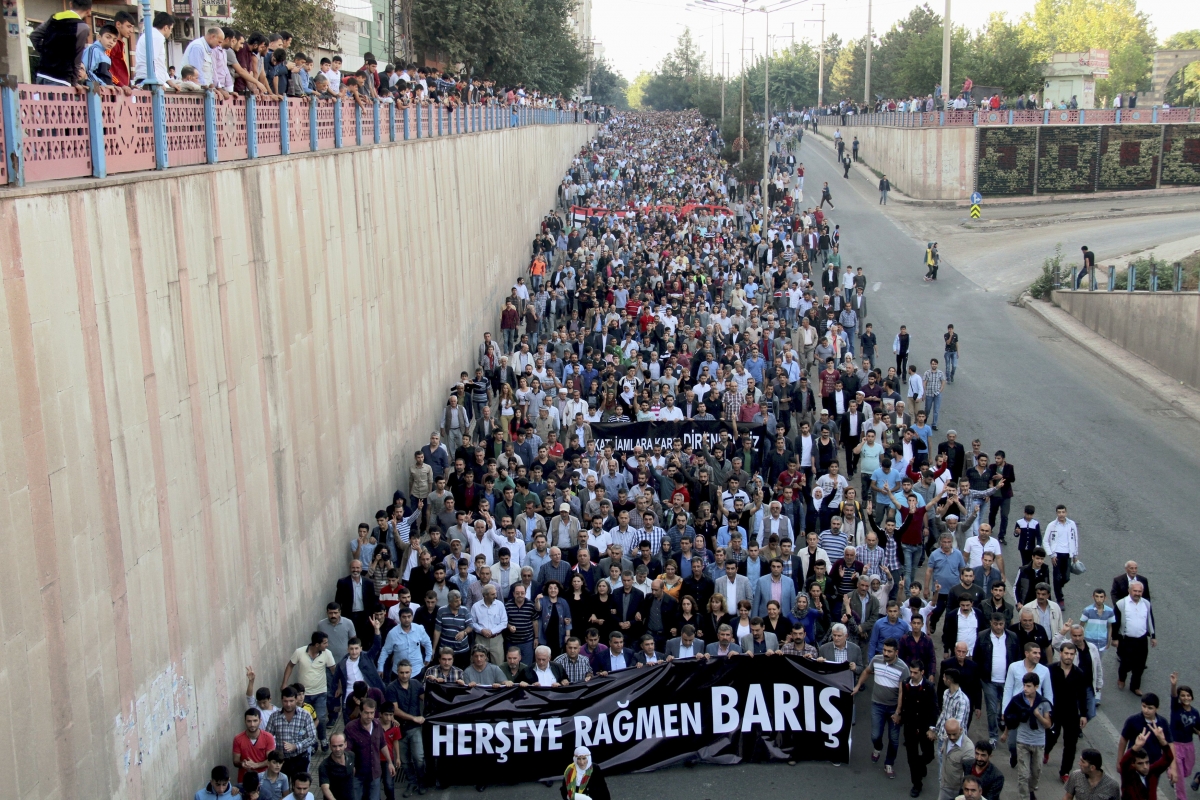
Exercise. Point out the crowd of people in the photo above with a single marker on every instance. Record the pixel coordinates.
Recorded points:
(227, 62)
(520, 553)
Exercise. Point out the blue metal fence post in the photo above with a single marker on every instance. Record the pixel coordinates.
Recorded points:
(313, 139)
(406, 136)
(14, 147)
(285, 142)
(418, 115)
(1132, 279)
(95, 114)
(157, 102)
(391, 122)
(210, 127)
(1154, 115)
(357, 124)
(251, 127)
(375, 118)
(337, 124)
(1082, 115)
(1118, 116)
(439, 120)
(1046, 117)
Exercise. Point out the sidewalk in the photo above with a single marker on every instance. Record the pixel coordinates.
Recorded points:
(1171, 392)
(861, 167)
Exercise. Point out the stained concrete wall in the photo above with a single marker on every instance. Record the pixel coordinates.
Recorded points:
(209, 377)
(923, 163)
(1161, 327)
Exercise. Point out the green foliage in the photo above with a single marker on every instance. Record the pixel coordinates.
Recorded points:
(1005, 54)
(1006, 159)
(673, 86)
(636, 93)
(793, 78)
(1067, 158)
(1184, 87)
(608, 86)
(526, 42)
(1051, 269)
(1128, 157)
(849, 71)
(310, 22)
(1069, 26)
(1179, 168)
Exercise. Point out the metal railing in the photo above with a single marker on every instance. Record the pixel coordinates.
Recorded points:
(51, 132)
(1155, 277)
(946, 119)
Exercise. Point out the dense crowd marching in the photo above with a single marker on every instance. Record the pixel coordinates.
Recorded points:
(521, 553)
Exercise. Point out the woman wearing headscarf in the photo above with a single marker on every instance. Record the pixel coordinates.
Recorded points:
(583, 778)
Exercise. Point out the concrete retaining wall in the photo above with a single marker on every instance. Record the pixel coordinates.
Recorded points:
(1161, 327)
(210, 377)
(924, 163)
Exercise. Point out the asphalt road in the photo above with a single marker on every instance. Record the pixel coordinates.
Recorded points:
(1077, 433)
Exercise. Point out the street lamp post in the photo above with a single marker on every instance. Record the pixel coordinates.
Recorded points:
(867, 76)
(946, 33)
(820, 59)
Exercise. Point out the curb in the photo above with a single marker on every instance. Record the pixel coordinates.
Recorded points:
(862, 169)
(1023, 200)
(1173, 393)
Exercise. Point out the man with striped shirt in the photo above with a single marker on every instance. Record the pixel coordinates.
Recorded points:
(887, 695)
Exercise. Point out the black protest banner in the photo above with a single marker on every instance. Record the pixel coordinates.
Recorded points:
(719, 711)
(695, 433)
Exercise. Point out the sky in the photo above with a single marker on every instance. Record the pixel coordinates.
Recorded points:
(636, 34)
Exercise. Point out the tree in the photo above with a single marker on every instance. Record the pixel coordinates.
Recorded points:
(511, 41)
(849, 72)
(608, 87)
(793, 79)
(1070, 26)
(672, 87)
(892, 75)
(636, 93)
(310, 22)
(1184, 86)
(1006, 55)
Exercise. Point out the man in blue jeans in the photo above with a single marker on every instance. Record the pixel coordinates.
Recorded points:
(886, 697)
(951, 339)
(934, 379)
(995, 651)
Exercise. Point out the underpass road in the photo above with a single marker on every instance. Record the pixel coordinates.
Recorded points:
(1076, 431)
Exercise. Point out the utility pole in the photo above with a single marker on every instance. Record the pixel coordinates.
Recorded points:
(946, 34)
(724, 74)
(766, 108)
(742, 102)
(867, 76)
(821, 60)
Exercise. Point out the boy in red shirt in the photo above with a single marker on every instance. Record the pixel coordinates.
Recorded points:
(392, 735)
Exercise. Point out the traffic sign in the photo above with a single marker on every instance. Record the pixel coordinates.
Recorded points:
(975, 212)
(976, 198)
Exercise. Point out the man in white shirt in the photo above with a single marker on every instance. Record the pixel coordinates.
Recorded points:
(489, 620)
(1137, 636)
(670, 412)
(199, 54)
(1062, 545)
(976, 546)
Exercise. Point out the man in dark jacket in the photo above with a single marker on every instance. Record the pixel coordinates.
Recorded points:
(991, 780)
(1070, 707)
(60, 41)
(918, 716)
(356, 595)
(992, 670)
(968, 675)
